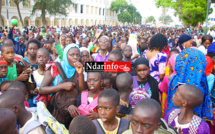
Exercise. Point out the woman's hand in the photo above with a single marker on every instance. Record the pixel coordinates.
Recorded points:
(68, 85)
(78, 67)
(92, 115)
(73, 110)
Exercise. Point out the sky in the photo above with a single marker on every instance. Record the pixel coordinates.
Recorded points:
(148, 8)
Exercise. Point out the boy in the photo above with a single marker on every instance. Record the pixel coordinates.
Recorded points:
(4, 85)
(107, 81)
(104, 44)
(82, 125)
(124, 83)
(3, 70)
(7, 52)
(108, 106)
(8, 122)
(127, 53)
(146, 119)
(14, 100)
(187, 97)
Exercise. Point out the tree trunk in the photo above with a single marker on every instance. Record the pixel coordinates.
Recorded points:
(20, 16)
(1, 20)
(43, 17)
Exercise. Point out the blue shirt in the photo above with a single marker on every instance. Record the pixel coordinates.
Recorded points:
(18, 48)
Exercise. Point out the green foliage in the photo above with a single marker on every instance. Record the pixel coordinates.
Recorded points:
(150, 19)
(191, 12)
(165, 19)
(126, 12)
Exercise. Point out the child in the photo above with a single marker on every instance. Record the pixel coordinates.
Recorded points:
(104, 44)
(85, 54)
(4, 85)
(144, 85)
(115, 46)
(124, 83)
(8, 122)
(14, 100)
(88, 100)
(146, 119)
(32, 46)
(127, 53)
(17, 85)
(107, 81)
(108, 106)
(206, 42)
(82, 125)
(7, 52)
(187, 97)
(3, 71)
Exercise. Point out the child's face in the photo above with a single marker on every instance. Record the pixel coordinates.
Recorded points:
(3, 70)
(84, 57)
(115, 47)
(94, 81)
(63, 41)
(73, 55)
(177, 97)
(42, 58)
(144, 121)
(8, 54)
(103, 43)
(106, 109)
(48, 46)
(4, 88)
(207, 43)
(32, 49)
(142, 71)
(127, 52)
(68, 41)
(107, 84)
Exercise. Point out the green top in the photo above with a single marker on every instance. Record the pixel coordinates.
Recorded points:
(11, 73)
(60, 51)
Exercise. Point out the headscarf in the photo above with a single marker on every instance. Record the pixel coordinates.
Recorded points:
(141, 60)
(68, 69)
(189, 67)
(84, 49)
(211, 48)
(172, 61)
(3, 62)
(183, 38)
(209, 67)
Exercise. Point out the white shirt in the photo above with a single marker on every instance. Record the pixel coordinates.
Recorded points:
(203, 49)
(212, 33)
(182, 126)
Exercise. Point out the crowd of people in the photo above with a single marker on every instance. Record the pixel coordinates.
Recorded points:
(46, 89)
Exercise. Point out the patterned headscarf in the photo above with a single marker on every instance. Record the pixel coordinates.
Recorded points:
(189, 67)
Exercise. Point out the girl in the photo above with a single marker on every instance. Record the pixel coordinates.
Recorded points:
(206, 42)
(32, 46)
(63, 41)
(88, 100)
(144, 85)
(157, 59)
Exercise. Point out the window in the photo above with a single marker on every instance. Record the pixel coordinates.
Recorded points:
(87, 9)
(82, 9)
(92, 10)
(96, 11)
(103, 12)
(27, 4)
(75, 6)
(100, 11)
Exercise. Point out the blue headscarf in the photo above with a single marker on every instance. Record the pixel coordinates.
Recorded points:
(183, 38)
(190, 65)
(68, 69)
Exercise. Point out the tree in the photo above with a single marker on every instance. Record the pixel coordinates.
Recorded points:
(191, 12)
(52, 7)
(165, 19)
(122, 8)
(18, 9)
(150, 19)
(1, 20)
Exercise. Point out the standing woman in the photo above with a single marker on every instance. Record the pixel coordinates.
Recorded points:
(157, 59)
(184, 41)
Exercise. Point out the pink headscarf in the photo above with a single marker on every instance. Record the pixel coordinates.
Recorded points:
(172, 61)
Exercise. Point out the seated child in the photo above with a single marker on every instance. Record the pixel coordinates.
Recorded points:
(88, 100)
(14, 100)
(107, 81)
(7, 52)
(144, 85)
(187, 97)
(17, 85)
(82, 125)
(8, 122)
(108, 107)
(146, 119)
(127, 53)
(124, 83)
(3, 71)
(4, 85)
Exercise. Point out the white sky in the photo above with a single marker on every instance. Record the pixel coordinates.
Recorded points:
(148, 8)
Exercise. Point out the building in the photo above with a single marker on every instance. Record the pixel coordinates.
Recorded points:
(83, 12)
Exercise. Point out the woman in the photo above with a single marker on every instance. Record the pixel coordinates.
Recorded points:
(184, 41)
(207, 40)
(157, 59)
(189, 67)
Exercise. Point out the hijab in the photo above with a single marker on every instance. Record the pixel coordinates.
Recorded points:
(189, 67)
(183, 38)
